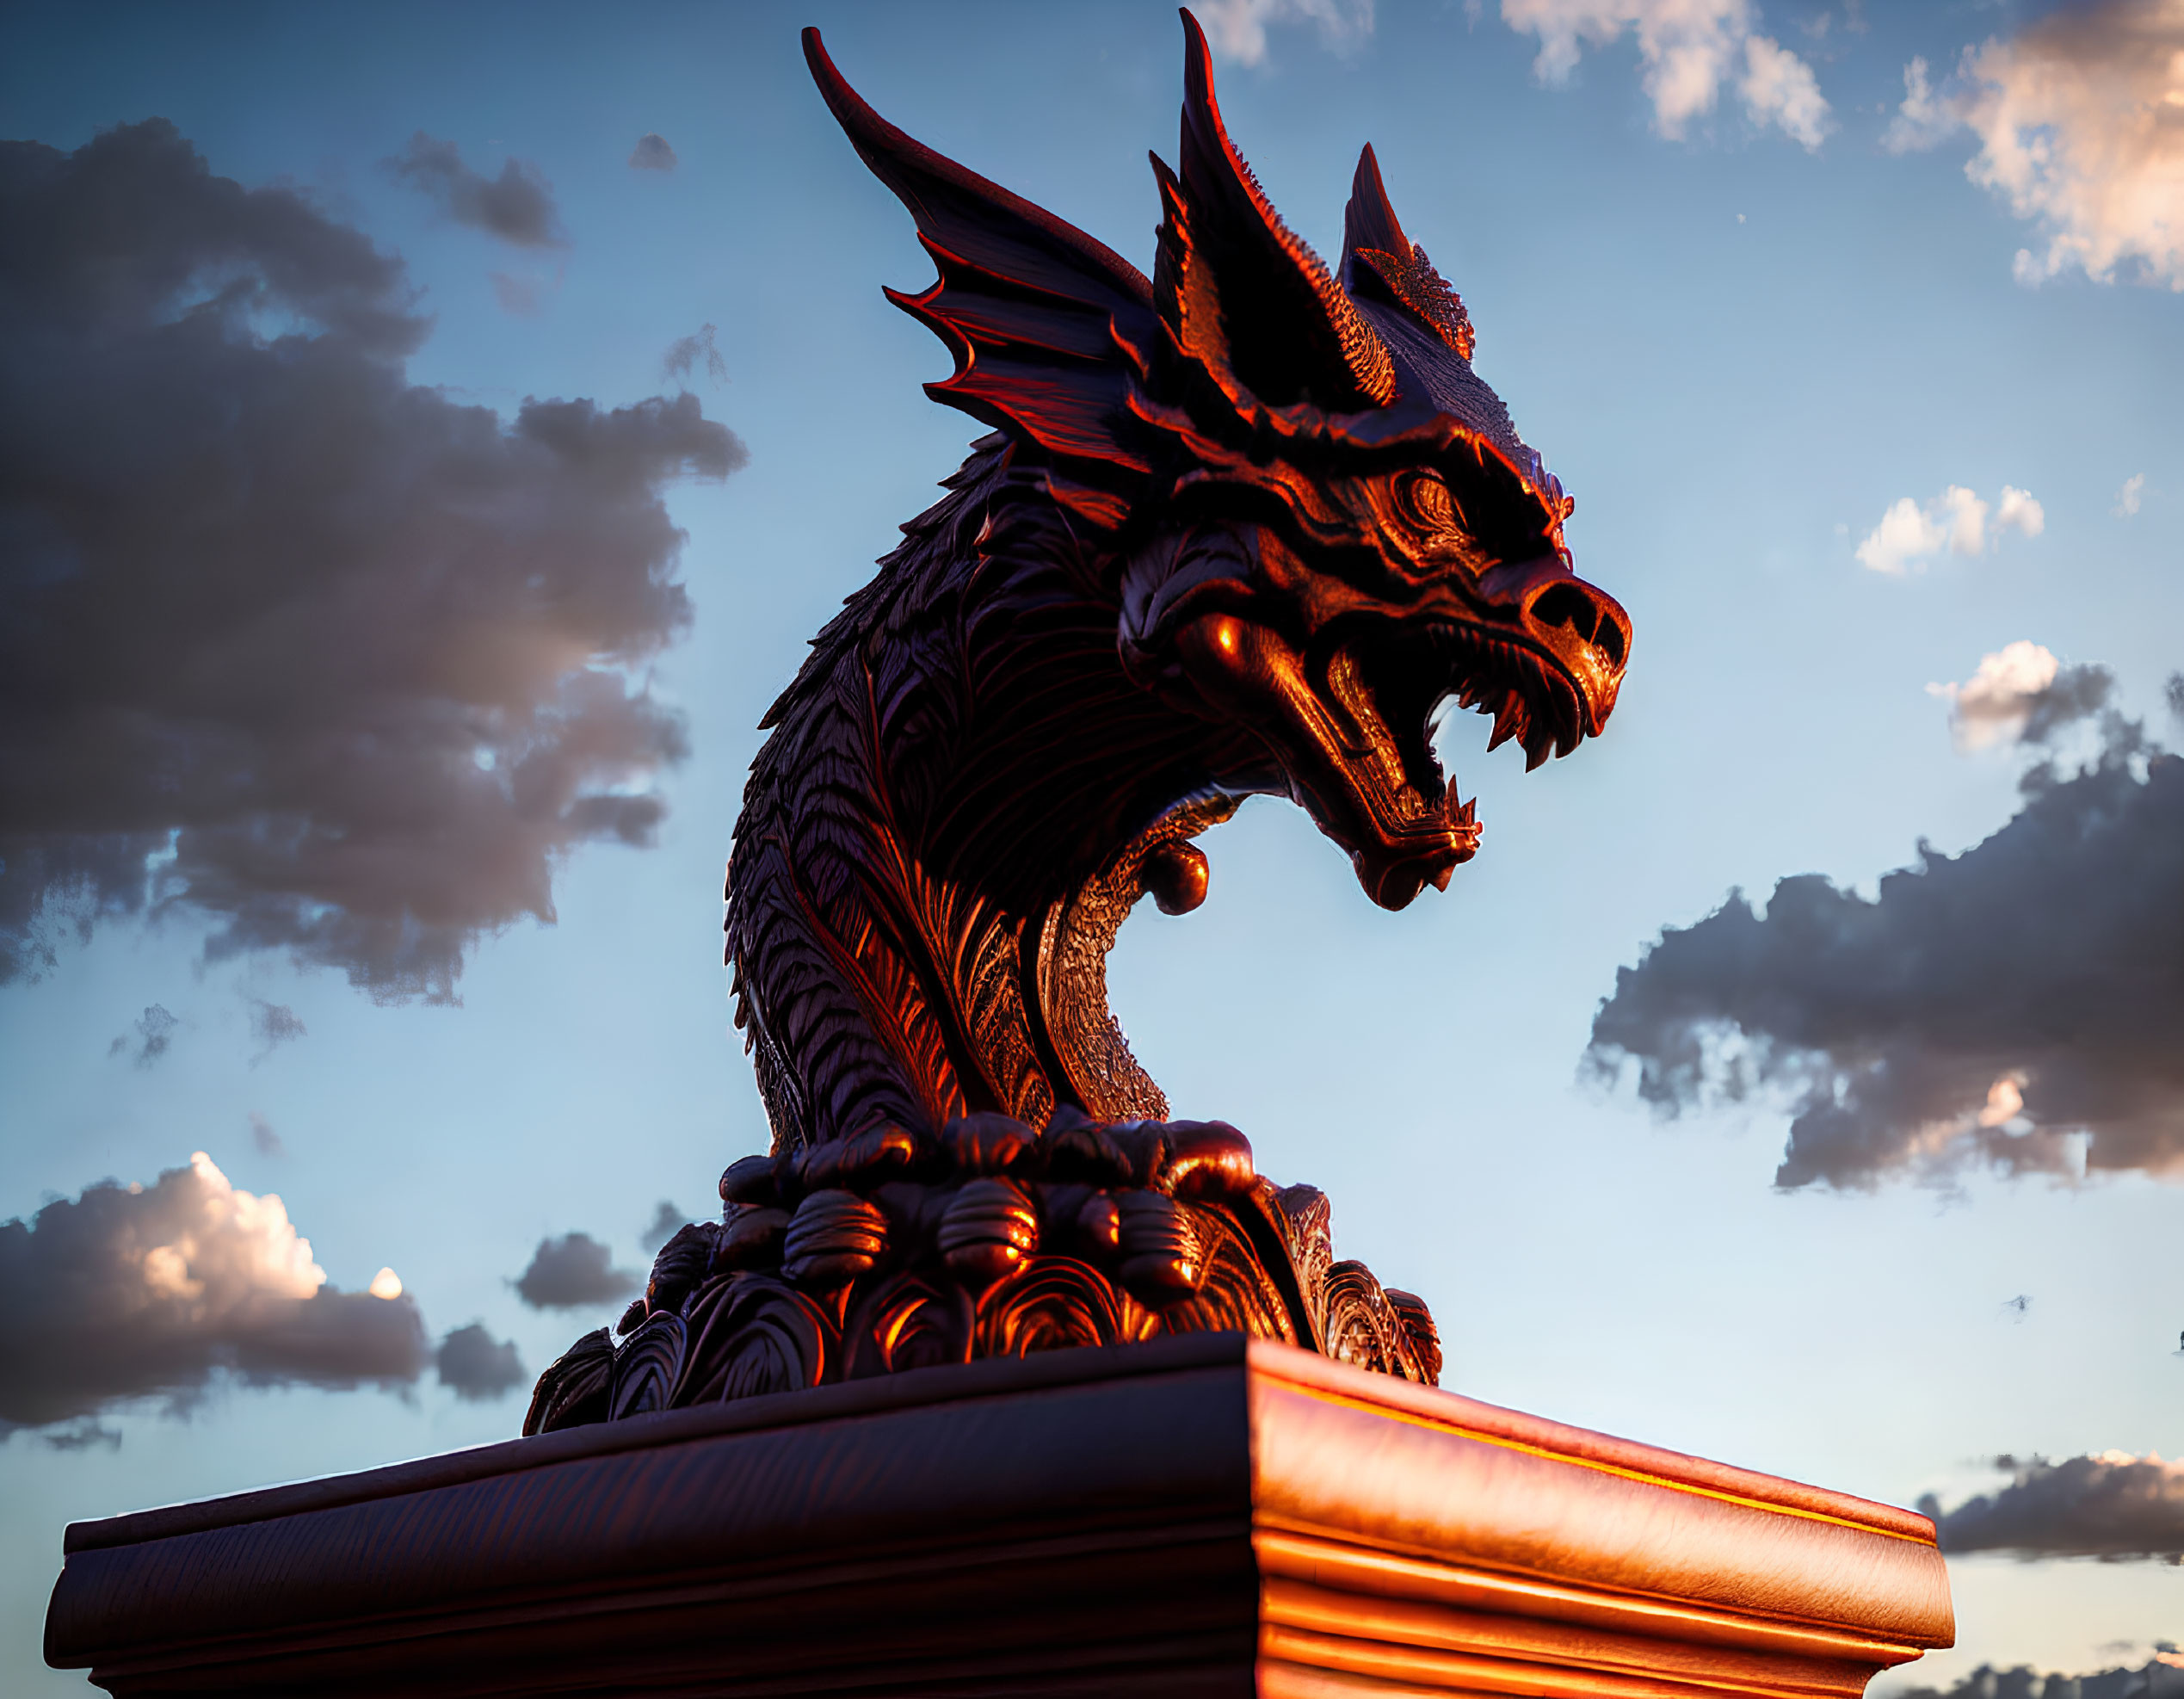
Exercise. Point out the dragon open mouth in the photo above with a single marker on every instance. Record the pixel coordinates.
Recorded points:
(1387, 686)
(1351, 718)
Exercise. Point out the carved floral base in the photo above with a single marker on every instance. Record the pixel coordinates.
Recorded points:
(896, 1250)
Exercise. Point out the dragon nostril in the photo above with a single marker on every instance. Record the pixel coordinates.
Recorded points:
(1564, 605)
(1609, 640)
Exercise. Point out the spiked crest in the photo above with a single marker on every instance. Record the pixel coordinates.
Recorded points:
(1242, 331)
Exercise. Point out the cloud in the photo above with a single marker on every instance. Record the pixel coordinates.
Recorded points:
(1779, 87)
(154, 1031)
(573, 1272)
(129, 1292)
(2014, 1006)
(273, 1024)
(1905, 534)
(518, 297)
(652, 153)
(1237, 29)
(1910, 536)
(263, 1135)
(340, 666)
(2127, 498)
(1689, 49)
(667, 1221)
(2021, 693)
(2018, 510)
(475, 1366)
(2160, 1678)
(82, 1436)
(1923, 119)
(685, 355)
(517, 206)
(2077, 119)
(2111, 1505)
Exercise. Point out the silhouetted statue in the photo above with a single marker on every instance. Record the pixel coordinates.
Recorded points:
(1243, 530)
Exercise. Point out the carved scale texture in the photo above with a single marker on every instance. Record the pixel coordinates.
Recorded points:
(961, 754)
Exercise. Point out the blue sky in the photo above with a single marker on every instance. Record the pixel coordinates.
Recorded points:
(1738, 351)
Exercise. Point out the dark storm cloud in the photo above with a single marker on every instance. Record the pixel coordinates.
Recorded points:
(284, 639)
(651, 153)
(2163, 1678)
(572, 1272)
(667, 1221)
(134, 1292)
(522, 296)
(83, 1436)
(477, 1367)
(2114, 1506)
(517, 206)
(2021, 693)
(1987, 1006)
(150, 1039)
(2078, 693)
(273, 1024)
(686, 355)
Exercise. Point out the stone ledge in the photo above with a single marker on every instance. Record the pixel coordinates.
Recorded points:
(1199, 1515)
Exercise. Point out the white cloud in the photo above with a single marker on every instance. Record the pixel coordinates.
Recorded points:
(1997, 704)
(2019, 510)
(1909, 535)
(2127, 497)
(234, 1244)
(2005, 1099)
(2079, 120)
(131, 1291)
(1967, 516)
(1922, 120)
(1779, 88)
(1237, 29)
(1992, 704)
(1904, 535)
(1689, 48)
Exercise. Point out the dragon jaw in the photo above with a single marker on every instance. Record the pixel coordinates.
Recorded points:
(1343, 687)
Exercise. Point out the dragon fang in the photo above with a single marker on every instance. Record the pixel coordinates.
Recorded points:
(1245, 529)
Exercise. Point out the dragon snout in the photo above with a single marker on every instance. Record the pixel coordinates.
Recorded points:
(1592, 614)
(1583, 627)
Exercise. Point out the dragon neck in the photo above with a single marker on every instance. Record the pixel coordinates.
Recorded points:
(947, 825)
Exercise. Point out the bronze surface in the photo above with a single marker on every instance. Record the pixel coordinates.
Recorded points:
(1194, 1515)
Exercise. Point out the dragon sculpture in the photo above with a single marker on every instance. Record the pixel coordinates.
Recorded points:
(1246, 528)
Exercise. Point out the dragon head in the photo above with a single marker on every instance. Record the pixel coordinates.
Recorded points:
(1325, 528)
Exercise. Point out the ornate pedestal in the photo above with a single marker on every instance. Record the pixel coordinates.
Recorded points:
(1193, 1515)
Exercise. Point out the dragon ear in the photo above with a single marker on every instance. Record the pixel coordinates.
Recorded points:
(1030, 306)
(1381, 262)
(1239, 294)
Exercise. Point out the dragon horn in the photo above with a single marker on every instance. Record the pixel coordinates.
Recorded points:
(1380, 263)
(1240, 293)
(1369, 222)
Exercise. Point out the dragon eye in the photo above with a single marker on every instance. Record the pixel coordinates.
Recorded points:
(1426, 501)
